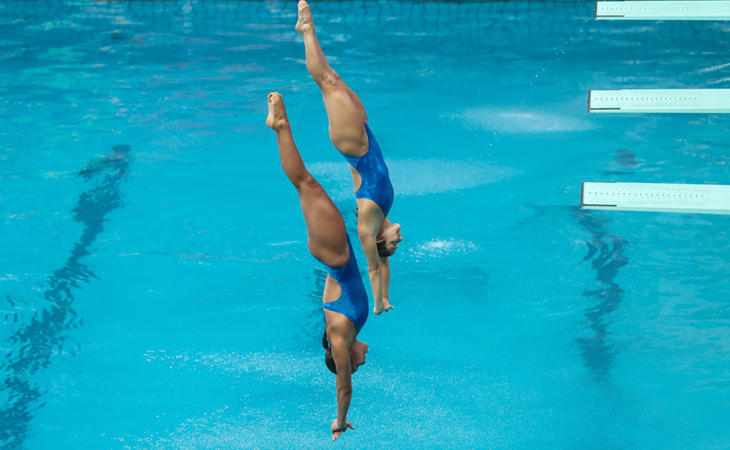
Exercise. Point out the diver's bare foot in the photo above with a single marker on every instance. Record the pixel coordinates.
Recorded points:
(277, 113)
(305, 23)
(377, 310)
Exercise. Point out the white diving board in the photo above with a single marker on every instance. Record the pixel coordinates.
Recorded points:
(659, 101)
(657, 197)
(663, 10)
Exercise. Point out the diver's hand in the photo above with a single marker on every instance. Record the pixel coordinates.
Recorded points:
(338, 428)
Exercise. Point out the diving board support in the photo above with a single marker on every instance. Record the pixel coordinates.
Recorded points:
(656, 197)
(659, 101)
(663, 10)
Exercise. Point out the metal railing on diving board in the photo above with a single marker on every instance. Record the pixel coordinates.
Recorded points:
(659, 101)
(663, 10)
(656, 197)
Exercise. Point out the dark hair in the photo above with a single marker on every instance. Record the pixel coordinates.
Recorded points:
(329, 360)
(383, 251)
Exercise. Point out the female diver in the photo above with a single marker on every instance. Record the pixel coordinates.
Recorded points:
(351, 135)
(345, 299)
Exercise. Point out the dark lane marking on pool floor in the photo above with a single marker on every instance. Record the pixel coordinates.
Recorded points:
(32, 345)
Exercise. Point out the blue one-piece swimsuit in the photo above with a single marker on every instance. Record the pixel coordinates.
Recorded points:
(353, 302)
(371, 166)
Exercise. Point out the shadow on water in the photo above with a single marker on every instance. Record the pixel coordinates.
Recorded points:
(34, 343)
(315, 319)
(606, 252)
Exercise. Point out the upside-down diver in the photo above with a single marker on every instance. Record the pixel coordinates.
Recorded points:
(345, 300)
(350, 133)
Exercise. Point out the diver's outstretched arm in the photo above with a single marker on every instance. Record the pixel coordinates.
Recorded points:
(341, 356)
(385, 268)
(367, 229)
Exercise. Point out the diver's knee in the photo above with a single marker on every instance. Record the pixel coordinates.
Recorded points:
(330, 80)
(307, 181)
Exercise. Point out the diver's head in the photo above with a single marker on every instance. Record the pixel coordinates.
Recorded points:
(358, 351)
(388, 239)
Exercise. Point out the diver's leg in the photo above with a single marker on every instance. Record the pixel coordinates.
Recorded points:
(355, 101)
(325, 226)
(344, 109)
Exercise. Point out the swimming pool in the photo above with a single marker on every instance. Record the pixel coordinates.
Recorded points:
(157, 290)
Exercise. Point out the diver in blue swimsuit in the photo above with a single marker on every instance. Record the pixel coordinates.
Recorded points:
(351, 135)
(373, 174)
(353, 300)
(345, 299)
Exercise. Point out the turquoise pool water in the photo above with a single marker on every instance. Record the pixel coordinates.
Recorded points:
(156, 287)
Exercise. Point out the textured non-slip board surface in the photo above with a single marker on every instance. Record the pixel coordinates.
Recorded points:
(664, 10)
(659, 101)
(658, 197)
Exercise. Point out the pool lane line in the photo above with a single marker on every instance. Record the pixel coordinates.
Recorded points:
(33, 345)
(663, 10)
(677, 101)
